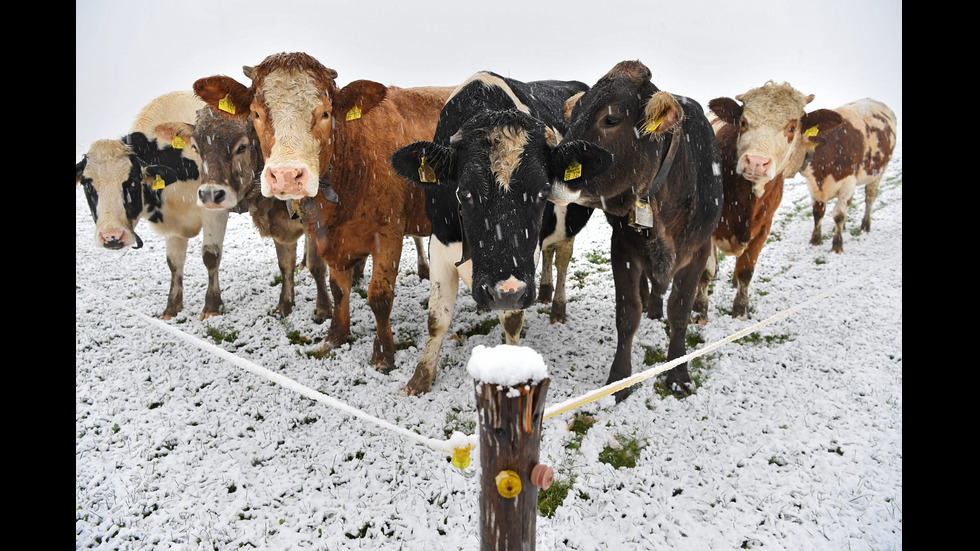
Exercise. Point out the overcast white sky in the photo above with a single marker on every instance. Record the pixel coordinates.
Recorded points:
(129, 51)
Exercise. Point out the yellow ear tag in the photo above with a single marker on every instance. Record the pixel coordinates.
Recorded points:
(226, 105)
(653, 126)
(573, 171)
(426, 173)
(354, 113)
(812, 131)
(159, 183)
(178, 143)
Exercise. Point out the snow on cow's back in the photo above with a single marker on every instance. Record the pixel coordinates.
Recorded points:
(180, 106)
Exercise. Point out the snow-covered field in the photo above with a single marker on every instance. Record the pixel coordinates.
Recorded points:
(793, 441)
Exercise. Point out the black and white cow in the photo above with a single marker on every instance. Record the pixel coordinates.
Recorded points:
(144, 176)
(486, 177)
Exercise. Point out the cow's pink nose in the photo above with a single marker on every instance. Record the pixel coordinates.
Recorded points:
(287, 179)
(756, 165)
(113, 239)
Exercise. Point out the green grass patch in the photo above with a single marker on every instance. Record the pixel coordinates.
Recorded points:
(221, 335)
(756, 338)
(623, 454)
(549, 500)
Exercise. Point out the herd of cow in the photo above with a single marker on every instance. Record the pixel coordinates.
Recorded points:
(498, 172)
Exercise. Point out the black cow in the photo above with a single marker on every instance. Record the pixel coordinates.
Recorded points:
(486, 177)
(662, 197)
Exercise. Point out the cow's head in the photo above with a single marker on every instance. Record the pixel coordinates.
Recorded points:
(500, 164)
(626, 114)
(775, 132)
(224, 138)
(294, 100)
(112, 180)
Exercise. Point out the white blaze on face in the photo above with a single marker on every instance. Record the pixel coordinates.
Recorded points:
(771, 134)
(292, 170)
(108, 166)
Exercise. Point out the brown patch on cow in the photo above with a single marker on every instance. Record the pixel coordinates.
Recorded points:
(213, 90)
(506, 147)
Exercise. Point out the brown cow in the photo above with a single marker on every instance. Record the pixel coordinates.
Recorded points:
(662, 198)
(854, 154)
(761, 143)
(333, 146)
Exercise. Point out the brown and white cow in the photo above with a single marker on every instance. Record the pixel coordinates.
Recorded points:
(330, 147)
(662, 198)
(762, 143)
(121, 184)
(851, 155)
(231, 162)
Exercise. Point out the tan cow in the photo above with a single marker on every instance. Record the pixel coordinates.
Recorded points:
(762, 143)
(853, 154)
(330, 148)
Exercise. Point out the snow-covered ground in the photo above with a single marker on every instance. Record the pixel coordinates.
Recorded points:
(793, 441)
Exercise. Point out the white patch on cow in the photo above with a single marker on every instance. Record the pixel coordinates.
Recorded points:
(107, 164)
(489, 80)
(767, 110)
(291, 97)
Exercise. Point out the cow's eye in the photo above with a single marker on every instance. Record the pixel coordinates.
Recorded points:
(241, 149)
(463, 195)
(610, 121)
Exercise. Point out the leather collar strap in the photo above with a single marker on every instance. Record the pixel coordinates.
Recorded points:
(664, 171)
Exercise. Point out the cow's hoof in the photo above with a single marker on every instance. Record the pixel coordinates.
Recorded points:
(416, 387)
(320, 317)
(206, 315)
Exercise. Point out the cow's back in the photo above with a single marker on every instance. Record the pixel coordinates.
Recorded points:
(859, 148)
(180, 106)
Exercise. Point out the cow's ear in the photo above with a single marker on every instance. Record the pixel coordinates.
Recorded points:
(574, 162)
(570, 106)
(726, 109)
(357, 98)
(177, 134)
(225, 95)
(819, 122)
(424, 164)
(79, 169)
(661, 112)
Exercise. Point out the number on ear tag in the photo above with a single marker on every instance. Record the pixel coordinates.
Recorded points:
(812, 131)
(354, 113)
(159, 183)
(226, 105)
(573, 171)
(178, 143)
(426, 173)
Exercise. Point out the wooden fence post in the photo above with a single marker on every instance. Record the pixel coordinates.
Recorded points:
(510, 417)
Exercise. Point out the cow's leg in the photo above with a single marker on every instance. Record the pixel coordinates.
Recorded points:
(215, 224)
(318, 270)
(819, 207)
(443, 288)
(423, 259)
(341, 282)
(870, 194)
(176, 256)
(563, 255)
(840, 213)
(546, 289)
(679, 304)
(627, 274)
(745, 269)
(511, 321)
(700, 309)
(286, 255)
(381, 296)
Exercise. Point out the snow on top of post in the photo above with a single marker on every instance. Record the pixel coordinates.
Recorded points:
(506, 365)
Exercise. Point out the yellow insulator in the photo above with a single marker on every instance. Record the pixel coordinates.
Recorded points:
(461, 457)
(508, 483)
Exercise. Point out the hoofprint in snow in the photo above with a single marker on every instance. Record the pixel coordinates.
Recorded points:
(792, 441)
